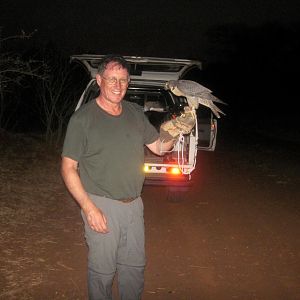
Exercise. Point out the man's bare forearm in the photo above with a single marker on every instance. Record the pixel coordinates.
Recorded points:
(159, 147)
(94, 215)
(73, 183)
(165, 146)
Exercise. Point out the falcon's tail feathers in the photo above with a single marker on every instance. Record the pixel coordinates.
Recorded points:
(209, 103)
(216, 110)
(216, 99)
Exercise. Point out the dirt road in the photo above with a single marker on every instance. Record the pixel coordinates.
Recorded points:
(235, 236)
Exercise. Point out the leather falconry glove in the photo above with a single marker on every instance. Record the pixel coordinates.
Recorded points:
(170, 130)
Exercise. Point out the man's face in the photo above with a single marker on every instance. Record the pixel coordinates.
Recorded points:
(113, 83)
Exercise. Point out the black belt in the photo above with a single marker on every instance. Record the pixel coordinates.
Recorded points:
(127, 200)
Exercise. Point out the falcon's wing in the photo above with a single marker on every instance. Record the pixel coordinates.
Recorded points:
(208, 103)
(214, 98)
(191, 88)
(195, 94)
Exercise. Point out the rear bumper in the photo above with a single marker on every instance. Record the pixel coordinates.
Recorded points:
(168, 180)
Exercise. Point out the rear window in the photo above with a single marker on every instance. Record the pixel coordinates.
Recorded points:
(154, 103)
(150, 101)
(137, 69)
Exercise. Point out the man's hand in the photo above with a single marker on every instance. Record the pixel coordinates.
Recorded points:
(96, 220)
(94, 215)
(182, 124)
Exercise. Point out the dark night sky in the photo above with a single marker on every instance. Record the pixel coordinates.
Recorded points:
(179, 29)
(157, 28)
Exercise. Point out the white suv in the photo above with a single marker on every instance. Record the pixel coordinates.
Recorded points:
(148, 76)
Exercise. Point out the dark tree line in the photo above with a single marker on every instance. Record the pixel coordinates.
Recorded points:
(38, 87)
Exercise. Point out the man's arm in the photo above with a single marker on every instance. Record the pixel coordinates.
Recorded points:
(94, 215)
(159, 147)
(171, 130)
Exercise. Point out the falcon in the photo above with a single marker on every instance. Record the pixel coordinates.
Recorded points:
(195, 94)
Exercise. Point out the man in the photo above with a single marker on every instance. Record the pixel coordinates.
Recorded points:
(102, 167)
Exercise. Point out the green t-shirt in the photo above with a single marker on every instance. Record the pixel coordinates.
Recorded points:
(109, 149)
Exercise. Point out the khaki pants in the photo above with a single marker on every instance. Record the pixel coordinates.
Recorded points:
(121, 250)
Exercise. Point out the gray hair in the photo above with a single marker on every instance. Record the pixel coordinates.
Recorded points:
(120, 60)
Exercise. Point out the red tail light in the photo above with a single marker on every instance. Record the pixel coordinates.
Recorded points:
(174, 171)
